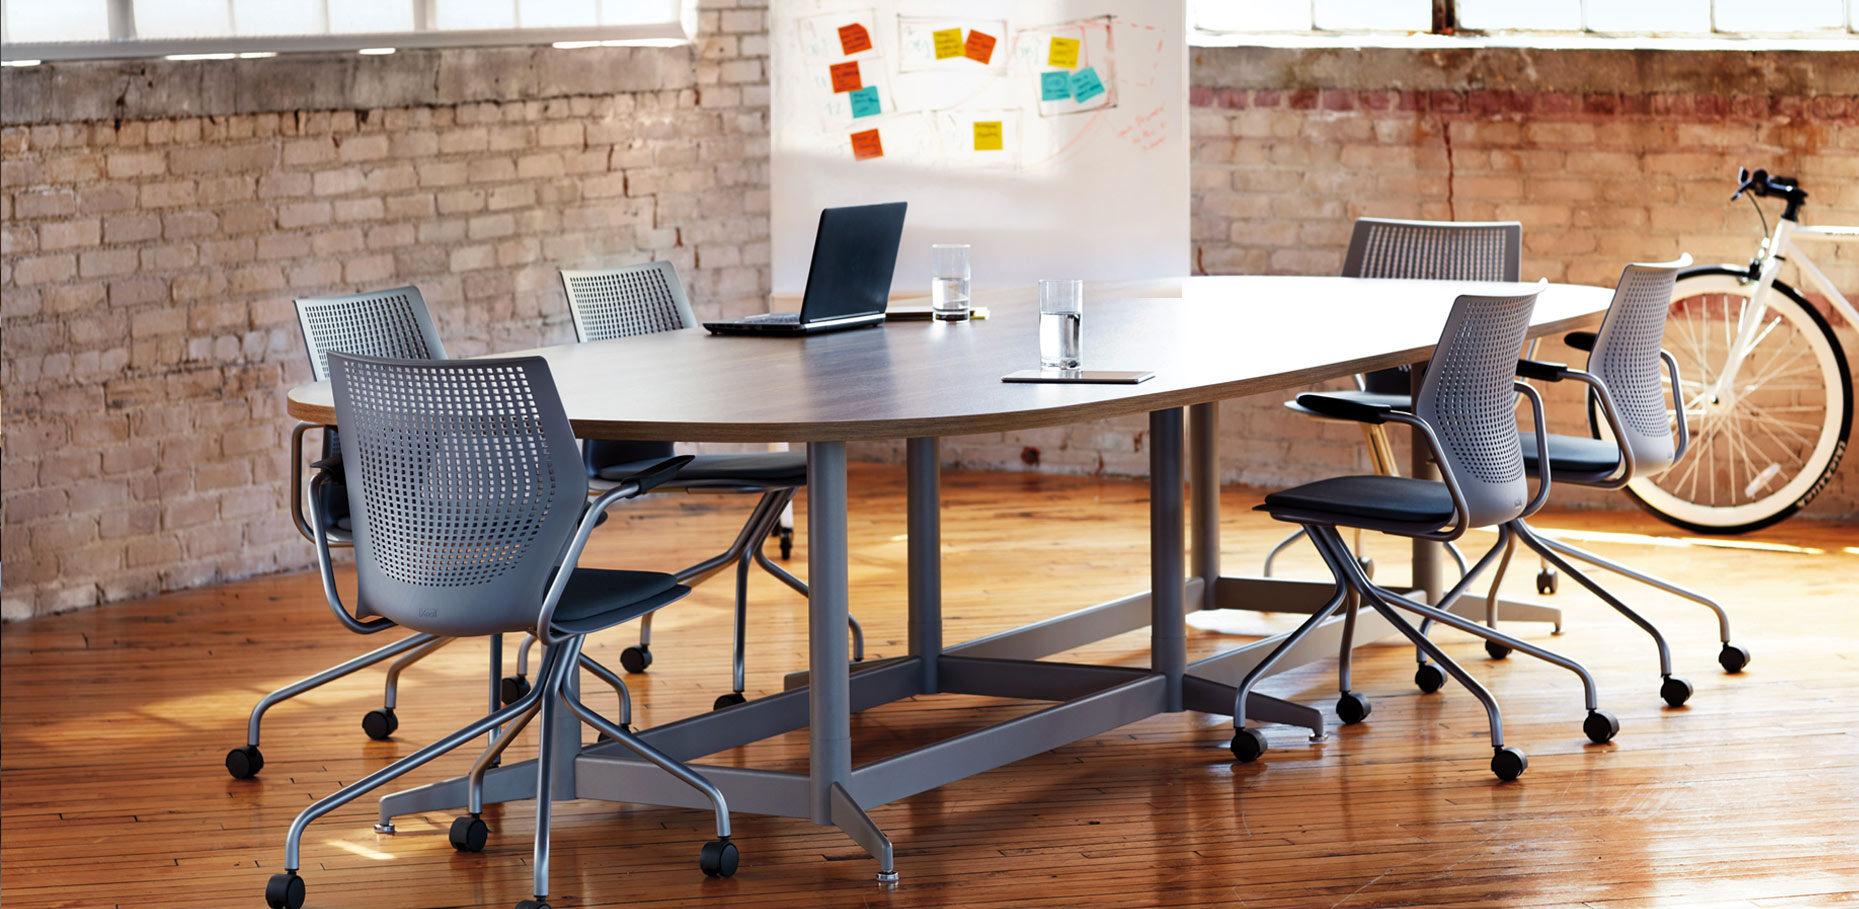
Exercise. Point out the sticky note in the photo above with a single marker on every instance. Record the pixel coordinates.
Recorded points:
(987, 135)
(980, 46)
(1064, 53)
(845, 77)
(948, 43)
(1055, 86)
(864, 102)
(866, 145)
(1086, 85)
(854, 38)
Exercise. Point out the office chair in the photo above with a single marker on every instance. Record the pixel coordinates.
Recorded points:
(470, 511)
(1465, 411)
(1624, 386)
(1436, 250)
(385, 323)
(645, 299)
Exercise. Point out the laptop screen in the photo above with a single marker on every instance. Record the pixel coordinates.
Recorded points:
(854, 254)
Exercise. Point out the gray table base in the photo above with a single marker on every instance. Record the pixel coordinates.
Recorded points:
(1087, 700)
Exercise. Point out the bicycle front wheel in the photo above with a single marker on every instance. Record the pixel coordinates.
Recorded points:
(1766, 442)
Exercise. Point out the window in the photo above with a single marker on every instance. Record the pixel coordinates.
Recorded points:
(1802, 18)
(91, 29)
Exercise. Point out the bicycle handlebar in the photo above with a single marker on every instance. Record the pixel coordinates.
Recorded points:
(1763, 185)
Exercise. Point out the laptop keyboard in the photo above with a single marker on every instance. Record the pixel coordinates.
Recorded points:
(772, 317)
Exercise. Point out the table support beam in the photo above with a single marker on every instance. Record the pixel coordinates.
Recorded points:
(829, 703)
(1168, 642)
(923, 522)
(1204, 486)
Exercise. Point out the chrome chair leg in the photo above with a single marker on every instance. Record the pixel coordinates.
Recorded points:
(245, 762)
(1723, 618)
(392, 688)
(614, 681)
(1282, 545)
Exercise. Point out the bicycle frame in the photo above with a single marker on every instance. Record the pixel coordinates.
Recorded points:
(1777, 249)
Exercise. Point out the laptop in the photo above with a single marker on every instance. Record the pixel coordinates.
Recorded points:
(849, 281)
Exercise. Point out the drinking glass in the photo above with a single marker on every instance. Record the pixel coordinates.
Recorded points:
(949, 281)
(1061, 323)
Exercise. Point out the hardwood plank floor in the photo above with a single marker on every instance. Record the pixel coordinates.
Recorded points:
(114, 722)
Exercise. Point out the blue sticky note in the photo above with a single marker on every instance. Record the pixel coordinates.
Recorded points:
(864, 101)
(1086, 85)
(1055, 86)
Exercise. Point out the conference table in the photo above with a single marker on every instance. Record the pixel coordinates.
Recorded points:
(1206, 339)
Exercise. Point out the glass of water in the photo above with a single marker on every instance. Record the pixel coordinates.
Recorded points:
(1061, 323)
(949, 281)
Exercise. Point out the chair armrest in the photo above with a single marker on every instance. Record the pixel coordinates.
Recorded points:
(1580, 340)
(1678, 405)
(1542, 371)
(1345, 408)
(1542, 451)
(628, 488)
(1615, 425)
(325, 565)
(658, 474)
(1462, 513)
(333, 462)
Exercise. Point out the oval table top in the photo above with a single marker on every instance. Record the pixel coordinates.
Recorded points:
(1205, 338)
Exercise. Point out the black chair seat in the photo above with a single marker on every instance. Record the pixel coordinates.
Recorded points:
(1572, 457)
(1401, 500)
(773, 468)
(597, 598)
(1398, 402)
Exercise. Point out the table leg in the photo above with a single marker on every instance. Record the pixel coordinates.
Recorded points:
(1428, 577)
(924, 523)
(1204, 486)
(1168, 641)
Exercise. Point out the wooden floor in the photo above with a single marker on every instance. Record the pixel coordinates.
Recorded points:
(115, 722)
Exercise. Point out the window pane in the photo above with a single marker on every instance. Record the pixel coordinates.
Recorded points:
(65, 20)
(370, 16)
(549, 13)
(182, 18)
(463, 14)
(1778, 15)
(1375, 15)
(277, 17)
(1252, 15)
(1544, 15)
(1655, 16)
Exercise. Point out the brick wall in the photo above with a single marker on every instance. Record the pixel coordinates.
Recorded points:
(1606, 157)
(159, 217)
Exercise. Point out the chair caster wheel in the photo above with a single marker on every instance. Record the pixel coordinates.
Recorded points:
(1546, 581)
(1600, 726)
(787, 543)
(1353, 708)
(469, 833)
(718, 858)
(1675, 690)
(728, 700)
(636, 659)
(379, 724)
(284, 891)
(511, 688)
(1509, 764)
(1733, 658)
(1496, 650)
(244, 762)
(1429, 678)
(533, 904)
(1248, 745)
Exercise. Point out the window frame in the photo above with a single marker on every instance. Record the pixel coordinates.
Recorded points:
(124, 45)
(1446, 28)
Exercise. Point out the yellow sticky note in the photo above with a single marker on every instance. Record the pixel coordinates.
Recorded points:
(1064, 53)
(948, 43)
(987, 135)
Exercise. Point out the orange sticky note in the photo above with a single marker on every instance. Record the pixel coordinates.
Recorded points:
(1063, 53)
(854, 38)
(845, 77)
(987, 135)
(948, 43)
(866, 145)
(980, 46)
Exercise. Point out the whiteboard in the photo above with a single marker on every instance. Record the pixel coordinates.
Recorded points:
(1050, 135)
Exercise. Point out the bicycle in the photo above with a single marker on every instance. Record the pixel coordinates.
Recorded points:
(1767, 387)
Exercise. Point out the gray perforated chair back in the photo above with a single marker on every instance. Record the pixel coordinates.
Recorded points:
(1469, 398)
(1433, 250)
(1626, 359)
(621, 303)
(465, 486)
(626, 301)
(381, 323)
